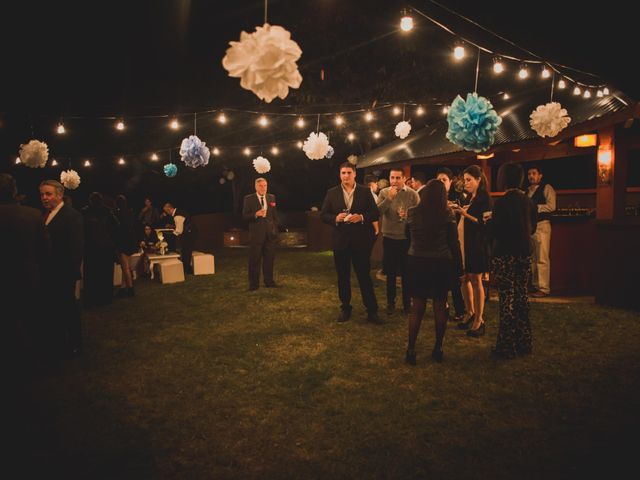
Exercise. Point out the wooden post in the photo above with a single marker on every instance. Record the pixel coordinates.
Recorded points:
(612, 173)
(486, 169)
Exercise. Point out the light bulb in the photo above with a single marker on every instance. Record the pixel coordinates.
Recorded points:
(458, 52)
(275, 150)
(587, 94)
(54, 163)
(222, 118)
(445, 109)
(376, 134)
(523, 73)
(498, 67)
(60, 129)
(174, 124)
(154, 157)
(121, 161)
(419, 111)
(17, 160)
(605, 90)
(339, 120)
(215, 151)
(87, 163)
(300, 144)
(120, 125)
(577, 91)
(300, 122)
(368, 116)
(263, 121)
(562, 84)
(396, 110)
(247, 151)
(599, 94)
(506, 96)
(351, 137)
(545, 72)
(406, 23)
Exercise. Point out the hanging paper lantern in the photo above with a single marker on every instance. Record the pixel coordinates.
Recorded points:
(231, 176)
(402, 129)
(265, 62)
(549, 120)
(330, 152)
(261, 165)
(472, 123)
(70, 179)
(352, 159)
(316, 146)
(194, 152)
(170, 170)
(222, 181)
(34, 154)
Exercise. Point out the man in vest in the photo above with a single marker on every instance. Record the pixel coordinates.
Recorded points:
(544, 197)
(184, 230)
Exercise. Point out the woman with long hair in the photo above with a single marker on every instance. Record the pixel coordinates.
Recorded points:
(433, 260)
(475, 253)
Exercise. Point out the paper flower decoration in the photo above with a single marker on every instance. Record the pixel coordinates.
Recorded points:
(265, 62)
(261, 165)
(170, 170)
(231, 176)
(194, 152)
(34, 154)
(402, 129)
(222, 181)
(472, 123)
(316, 146)
(330, 152)
(352, 159)
(70, 179)
(549, 120)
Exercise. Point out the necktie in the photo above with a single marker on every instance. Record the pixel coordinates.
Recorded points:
(262, 201)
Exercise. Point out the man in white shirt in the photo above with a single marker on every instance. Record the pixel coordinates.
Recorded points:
(184, 231)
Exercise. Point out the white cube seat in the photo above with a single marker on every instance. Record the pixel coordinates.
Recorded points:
(170, 271)
(203, 263)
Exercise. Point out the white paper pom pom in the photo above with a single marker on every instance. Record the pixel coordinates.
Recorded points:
(70, 179)
(549, 120)
(261, 165)
(265, 61)
(316, 146)
(34, 154)
(402, 129)
(352, 159)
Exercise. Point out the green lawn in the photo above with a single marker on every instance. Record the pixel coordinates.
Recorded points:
(204, 379)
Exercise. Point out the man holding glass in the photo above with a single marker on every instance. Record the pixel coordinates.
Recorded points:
(259, 211)
(393, 203)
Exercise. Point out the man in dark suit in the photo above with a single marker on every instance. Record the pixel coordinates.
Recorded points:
(259, 211)
(65, 229)
(183, 230)
(350, 209)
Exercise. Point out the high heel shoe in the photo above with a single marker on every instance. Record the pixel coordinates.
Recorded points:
(478, 332)
(437, 354)
(410, 357)
(468, 323)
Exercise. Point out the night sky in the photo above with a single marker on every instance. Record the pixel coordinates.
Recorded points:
(83, 61)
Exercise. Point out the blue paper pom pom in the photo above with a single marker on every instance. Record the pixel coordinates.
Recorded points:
(194, 152)
(472, 123)
(330, 152)
(170, 170)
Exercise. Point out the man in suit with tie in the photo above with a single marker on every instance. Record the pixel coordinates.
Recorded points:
(350, 209)
(65, 229)
(259, 211)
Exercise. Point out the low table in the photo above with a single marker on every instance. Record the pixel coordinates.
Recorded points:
(152, 259)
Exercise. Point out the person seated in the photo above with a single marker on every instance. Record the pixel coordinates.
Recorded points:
(149, 240)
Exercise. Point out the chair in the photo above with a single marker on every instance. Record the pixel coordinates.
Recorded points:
(170, 271)
(203, 263)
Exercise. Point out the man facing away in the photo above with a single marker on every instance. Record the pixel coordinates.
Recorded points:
(544, 197)
(393, 203)
(259, 210)
(350, 209)
(184, 231)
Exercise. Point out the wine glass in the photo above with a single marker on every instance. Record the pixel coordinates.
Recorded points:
(401, 211)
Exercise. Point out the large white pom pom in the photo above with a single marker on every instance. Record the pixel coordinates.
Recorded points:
(261, 165)
(316, 146)
(549, 120)
(352, 159)
(194, 152)
(34, 154)
(70, 179)
(265, 61)
(402, 129)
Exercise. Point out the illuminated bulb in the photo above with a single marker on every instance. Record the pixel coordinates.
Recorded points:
(154, 157)
(232, 238)
(599, 94)
(419, 111)
(120, 125)
(587, 94)
(215, 151)
(545, 72)
(87, 163)
(262, 121)
(368, 116)
(523, 73)
(300, 122)
(247, 151)
(445, 109)
(376, 135)
(458, 53)
(121, 161)
(576, 91)
(300, 144)
(396, 110)
(60, 129)
(498, 67)
(17, 160)
(351, 137)
(605, 90)
(406, 23)
(275, 150)
(174, 124)
(562, 84)
(506, 96)
(339, 120)
(222, 119)
(54, 163)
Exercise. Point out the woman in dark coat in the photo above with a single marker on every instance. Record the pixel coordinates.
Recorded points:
(126, 243)
(433, 263)
(512, 223)
(475, 249)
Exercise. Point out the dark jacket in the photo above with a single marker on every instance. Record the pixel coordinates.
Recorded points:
(439, 242)
(67, 245)
(475, 242)
(512, 223)
(260, 228)
(355, 235)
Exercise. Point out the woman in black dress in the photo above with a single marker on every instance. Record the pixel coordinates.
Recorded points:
(432, 264)
(475, 249)
(126, 243)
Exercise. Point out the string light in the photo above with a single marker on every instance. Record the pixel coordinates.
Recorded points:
(397, 111)
(368, 116)
(339, 120)
(87, 163)
(523, 73)
(60, 129)
(351, 137)
(300, 122)
(445, 109)
(599, 94)
(247, 151)
(419, 111)
(54, 163)
(458, 52)
(263, 121)
(406, 22)
(154, 157)
(605, 90)
(562, 84)
(174, 124)
(498, 66)
(275, 150)
(120, 125)
(300, 144)
(215, 151)
(577, 91)
(376, 134)
(121, 161)
(222, 119)
(587, 94)
(18, 160)
(545, 72)
(506, 96)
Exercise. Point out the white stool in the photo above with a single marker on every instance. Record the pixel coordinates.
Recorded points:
(203, 263)
(170, 271)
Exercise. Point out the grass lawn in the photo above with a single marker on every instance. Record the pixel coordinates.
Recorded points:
(204, 379)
